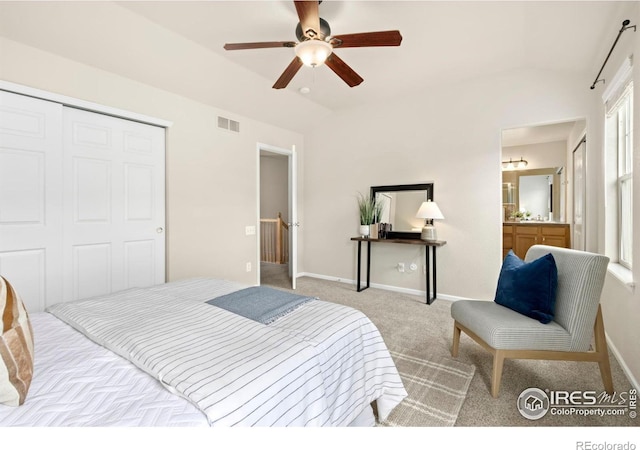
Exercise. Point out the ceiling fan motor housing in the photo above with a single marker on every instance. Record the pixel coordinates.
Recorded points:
(325, 31)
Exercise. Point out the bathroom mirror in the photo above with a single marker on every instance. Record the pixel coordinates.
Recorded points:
(400, 205)
(538, 191)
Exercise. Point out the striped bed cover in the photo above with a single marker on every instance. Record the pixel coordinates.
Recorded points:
(320, 365)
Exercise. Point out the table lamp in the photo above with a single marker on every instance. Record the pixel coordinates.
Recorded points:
(429, 211)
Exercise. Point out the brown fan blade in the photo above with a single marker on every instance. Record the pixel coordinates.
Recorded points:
(250, 45)
(345, 72)
(309, 17)
(288, 74)
(372, 39)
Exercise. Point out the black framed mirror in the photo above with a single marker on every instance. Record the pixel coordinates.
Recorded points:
(400, 205)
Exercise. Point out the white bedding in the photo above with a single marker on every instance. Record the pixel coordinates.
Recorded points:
(79, 383)
(323, 364)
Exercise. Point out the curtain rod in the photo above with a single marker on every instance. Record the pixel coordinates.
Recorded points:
(625, 26)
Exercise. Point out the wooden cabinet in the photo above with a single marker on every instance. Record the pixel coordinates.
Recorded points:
(507, 238)
(521, 236)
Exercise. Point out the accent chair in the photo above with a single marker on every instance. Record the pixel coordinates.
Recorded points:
(577, 321)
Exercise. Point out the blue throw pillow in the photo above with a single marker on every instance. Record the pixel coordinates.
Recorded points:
(529, 288)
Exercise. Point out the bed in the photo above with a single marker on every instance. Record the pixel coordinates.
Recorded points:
(167, 355)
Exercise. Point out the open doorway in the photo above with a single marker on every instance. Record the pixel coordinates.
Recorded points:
(277, 228)
(536, 197)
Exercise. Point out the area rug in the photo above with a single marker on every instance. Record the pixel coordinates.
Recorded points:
(437, 388)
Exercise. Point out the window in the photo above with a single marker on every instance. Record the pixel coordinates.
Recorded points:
(619, 131)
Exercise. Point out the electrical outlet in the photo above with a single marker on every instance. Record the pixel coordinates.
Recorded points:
(400, 267)
(249, 230)
(248, 267)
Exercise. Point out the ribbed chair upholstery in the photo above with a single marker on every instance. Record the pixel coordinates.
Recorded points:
(508, 334)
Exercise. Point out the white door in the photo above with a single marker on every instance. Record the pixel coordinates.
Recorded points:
(579, 186)
(81, 201)
(30, 198)
(114, 214)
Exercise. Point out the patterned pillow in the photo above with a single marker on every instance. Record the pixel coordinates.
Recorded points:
(16, 347)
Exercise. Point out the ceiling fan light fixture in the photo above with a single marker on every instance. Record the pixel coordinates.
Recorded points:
(313, 52)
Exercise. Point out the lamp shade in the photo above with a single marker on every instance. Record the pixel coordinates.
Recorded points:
(313, 52)
(429, 210)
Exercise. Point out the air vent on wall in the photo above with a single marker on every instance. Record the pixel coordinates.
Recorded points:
(228, 124)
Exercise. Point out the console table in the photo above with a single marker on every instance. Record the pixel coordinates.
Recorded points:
(431, 270)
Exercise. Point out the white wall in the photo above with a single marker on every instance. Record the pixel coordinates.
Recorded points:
(211, 173)
(449, 135)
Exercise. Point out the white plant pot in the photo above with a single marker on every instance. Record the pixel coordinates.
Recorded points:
(364, 230)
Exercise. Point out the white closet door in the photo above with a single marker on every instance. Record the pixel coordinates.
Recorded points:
(31, 199)
(114, 212)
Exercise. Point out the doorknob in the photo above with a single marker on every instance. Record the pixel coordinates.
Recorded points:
(159, 230)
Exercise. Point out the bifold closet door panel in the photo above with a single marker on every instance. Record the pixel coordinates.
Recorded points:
(114, 210)
(31, 198)
(82, 195)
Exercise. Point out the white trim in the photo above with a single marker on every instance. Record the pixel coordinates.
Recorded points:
(623, 275)
(81, 104)
(622, 363)
(619, 80)
(385, 287)
(290, 154)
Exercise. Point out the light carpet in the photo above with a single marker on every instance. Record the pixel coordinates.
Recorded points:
(425, 331)
(437, 388)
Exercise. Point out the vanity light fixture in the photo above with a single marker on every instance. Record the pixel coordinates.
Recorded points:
(429, 211)
(514, 165)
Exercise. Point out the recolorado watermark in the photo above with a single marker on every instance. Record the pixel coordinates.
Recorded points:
(534, 404)
(589, 445)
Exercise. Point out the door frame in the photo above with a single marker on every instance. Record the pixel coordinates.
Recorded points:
(292, 189)
(580, 151)
(82, 104)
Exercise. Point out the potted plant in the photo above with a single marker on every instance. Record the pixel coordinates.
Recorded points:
(370, 210)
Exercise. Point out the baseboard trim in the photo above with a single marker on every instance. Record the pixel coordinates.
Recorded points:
(452, 298)
(386, 287)
(623, 365)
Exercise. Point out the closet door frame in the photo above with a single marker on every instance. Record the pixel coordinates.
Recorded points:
(82, 104)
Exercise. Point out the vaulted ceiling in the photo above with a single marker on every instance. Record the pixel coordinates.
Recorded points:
(442, 41)
(178, 45)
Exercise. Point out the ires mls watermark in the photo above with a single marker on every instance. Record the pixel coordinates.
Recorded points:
(534, 403)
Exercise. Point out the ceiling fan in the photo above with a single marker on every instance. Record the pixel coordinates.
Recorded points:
(316, 45)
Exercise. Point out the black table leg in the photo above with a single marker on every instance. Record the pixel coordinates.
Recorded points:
(428, 274)
(435, 278)
(358, 287)
(359, 257)
(368, 262)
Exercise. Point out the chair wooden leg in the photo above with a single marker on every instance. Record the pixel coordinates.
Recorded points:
(496, 376)
(603, 352)
(456, 340)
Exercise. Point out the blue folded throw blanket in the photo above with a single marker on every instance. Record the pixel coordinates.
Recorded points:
(260, 303)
